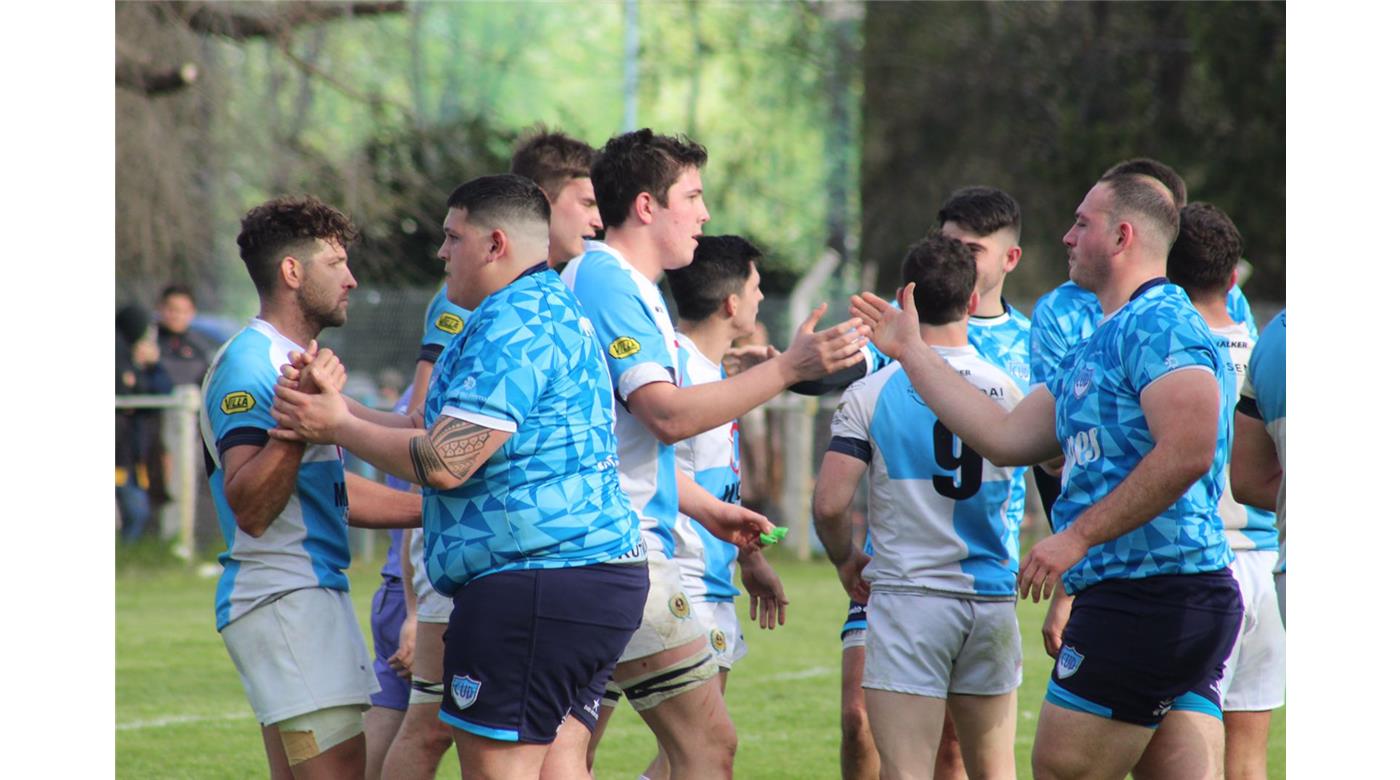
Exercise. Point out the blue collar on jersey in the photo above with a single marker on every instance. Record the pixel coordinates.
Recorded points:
(1148, 285)
(543, 265)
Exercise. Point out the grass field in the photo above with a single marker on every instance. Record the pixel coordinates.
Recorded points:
(181, 712)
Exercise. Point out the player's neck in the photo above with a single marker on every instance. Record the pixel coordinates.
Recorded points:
(989, 304)
(1214, 311)
(635, 246)
(950, 334)
(289, 321)
(712, 336)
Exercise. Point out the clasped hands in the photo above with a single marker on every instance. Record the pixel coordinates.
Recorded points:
(308, 406)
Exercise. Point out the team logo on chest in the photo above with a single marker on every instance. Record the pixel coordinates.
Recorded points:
(464, 690)
(1083, 381)
(1069, 662)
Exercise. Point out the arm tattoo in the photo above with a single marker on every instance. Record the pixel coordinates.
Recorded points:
(452, 445)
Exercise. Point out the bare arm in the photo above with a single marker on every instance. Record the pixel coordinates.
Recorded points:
(1254, 469)
(767, 601)
(422, 374)
(1021, 437)
(728, 522)
(1181, 410)
(831, 512)
(673, 413)
(258, 481)
(373, 505)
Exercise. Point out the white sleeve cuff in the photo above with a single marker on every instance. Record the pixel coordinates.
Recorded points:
(640, 375)
(476, 418)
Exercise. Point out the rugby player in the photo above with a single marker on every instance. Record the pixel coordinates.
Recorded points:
(1257, 465)
(717, 298)
(650, 196)
(527, 526)
(282, 603)
(942, 580)
(1137, 411)
(561, 165)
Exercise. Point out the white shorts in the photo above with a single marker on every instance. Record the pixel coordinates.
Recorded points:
(720, 622)
(1254, 673)
(931, 645)
(433, 607)
(668, 620)
(301, 653)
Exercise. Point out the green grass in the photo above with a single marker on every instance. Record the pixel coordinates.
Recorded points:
(181, 712)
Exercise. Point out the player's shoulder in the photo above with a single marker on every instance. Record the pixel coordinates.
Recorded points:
(1067, 295)
(1163, 308)
(445, 316)
(601, 267)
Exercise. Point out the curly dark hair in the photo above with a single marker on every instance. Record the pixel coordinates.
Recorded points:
(288, 225)
(944, 274)
(1206, 250)
(551, 160)
(637, 162)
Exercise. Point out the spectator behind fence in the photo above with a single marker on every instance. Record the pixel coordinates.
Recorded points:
(184, 352)
(139, 372)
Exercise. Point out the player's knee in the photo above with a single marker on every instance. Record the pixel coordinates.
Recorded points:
(307, 736)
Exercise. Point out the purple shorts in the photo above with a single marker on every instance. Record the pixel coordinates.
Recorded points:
(385, 619)
(525, 649)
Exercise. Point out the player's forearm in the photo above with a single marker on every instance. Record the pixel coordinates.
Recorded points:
(373, 505)
(978, 420)
(410, 596)
(422, 374)
(378, 416)
(1158, 481)
(1254, 469)
(698, 504)
(260, 489)
(688, 411)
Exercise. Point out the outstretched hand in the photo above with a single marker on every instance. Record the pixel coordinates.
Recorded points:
(813, 355)
(736, 524)
(740, 359)
(891, 328)
(309, 417)
(767, 601)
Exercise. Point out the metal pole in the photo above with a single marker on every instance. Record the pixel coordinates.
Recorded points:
(181, 441)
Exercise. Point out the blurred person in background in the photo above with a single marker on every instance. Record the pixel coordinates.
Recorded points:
(139, 372)
(184, 352)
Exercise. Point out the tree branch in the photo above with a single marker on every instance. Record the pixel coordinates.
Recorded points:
(215, 19)
(152, 80)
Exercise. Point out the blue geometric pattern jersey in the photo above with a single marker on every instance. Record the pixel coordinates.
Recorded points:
(1104, 435)
(529, 363)
(1067, 315)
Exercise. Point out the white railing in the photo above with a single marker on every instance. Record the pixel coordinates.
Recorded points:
(180, 435)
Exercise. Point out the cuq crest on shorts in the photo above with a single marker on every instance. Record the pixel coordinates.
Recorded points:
(464, 690)
(1069, 662)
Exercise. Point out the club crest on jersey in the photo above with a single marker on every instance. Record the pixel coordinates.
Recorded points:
(237, 402)
(717, 640)
(624, 346)
(1069, 662)
(680, 606)
(464, 690)
(1083, 380)
(448, 322)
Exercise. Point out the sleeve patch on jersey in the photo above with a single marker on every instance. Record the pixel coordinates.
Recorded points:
(448, 322)
(623, 347)
(237, 402)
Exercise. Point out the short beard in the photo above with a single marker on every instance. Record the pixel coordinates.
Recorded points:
(332, 318)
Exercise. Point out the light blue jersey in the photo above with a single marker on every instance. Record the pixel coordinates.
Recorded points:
(938, 512)
(634, 329)
(307, 545)
(1104, 435)
(1264, 396)
(1005, 342)
(528, 363)
(442, 322)
(1246, 527)
(712, 460)
(1067, 315)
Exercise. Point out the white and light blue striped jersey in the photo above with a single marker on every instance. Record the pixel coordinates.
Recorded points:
(1005, 341)
(634, 329)
(528, 363)
(712, 460)
(1246, 527)
(1264, 396)
(442, 321)
(1103, 432)
(307, 545)
(1067, 315)
(937, 517)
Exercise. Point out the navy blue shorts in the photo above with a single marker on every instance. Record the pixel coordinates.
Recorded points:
(524, 649)
(855, 619)
(1133, 648)
(386, 618)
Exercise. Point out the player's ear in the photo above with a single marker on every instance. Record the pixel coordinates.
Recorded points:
(644, 207)
(731, 305)
(291, 271)
(1126, 234)
(1013, 257)
(500, 242)
(1234, 277)
(972, 301)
